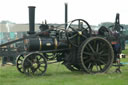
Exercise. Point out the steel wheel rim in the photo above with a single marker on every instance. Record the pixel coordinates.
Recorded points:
(96, 62)
(34, 64)
(78, 33)
(19, 61)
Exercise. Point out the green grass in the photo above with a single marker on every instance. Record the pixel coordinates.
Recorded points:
(57, 74)
(126, 50)
(126, 53)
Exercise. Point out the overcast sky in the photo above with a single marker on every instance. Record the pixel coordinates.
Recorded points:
(93, 11)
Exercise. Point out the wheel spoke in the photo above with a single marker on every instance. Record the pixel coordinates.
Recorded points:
(29, 61)
(91, 67)
(100, 67)
(90, 64)
(40, 70)
(84, 36)
(87, 53)
(73, 29)
(101, 52)
(87, 48)
(101, 58)
(27, 70)
(106, 54)
(79, 24)
(87, 61)
(85, 57)
(91, 48)
(102, 61)
(84, 29)
(42, 62)
(102, 47)
(33, 70)
(97, 47)
(97, 67)
(73, 36)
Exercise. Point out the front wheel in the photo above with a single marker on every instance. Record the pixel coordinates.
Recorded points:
(34, 64)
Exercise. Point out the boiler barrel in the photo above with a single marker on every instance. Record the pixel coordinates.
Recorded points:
(41, 44)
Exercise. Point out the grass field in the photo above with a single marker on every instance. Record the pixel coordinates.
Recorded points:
(126, 50)
(57, 74)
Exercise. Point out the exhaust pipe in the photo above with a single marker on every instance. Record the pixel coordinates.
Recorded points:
(66, 15)
(117, 20)
(31, 20)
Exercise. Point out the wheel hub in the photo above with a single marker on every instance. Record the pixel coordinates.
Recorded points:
(95, 56)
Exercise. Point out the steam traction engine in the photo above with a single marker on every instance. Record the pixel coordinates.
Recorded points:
(75, 46)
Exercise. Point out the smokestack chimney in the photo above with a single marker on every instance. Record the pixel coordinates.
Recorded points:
(66, 15)
(117, 18)
(31, 20)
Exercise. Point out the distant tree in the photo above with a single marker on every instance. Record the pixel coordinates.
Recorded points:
(6, 21)
(125, 29)
(106, 24)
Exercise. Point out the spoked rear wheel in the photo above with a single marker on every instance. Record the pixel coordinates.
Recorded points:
(95, 55)
(34, 64)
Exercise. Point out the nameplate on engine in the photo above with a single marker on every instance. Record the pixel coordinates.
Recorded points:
(48, 44)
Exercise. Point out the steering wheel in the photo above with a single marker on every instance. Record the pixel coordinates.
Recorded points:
(77, 31)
